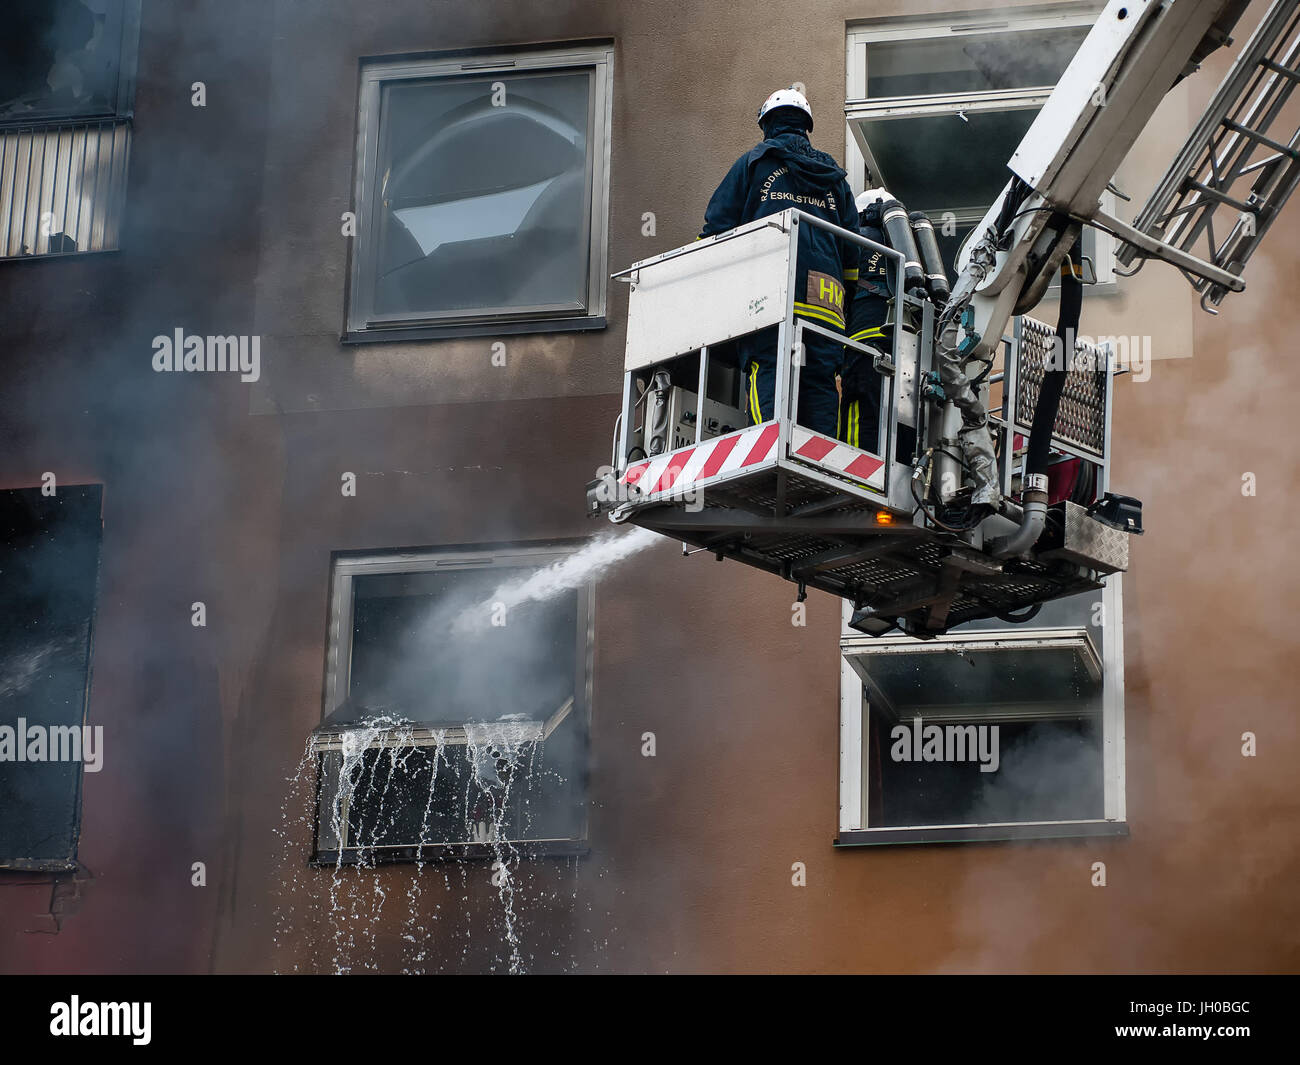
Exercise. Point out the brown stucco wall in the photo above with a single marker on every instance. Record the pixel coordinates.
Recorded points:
(229, 494)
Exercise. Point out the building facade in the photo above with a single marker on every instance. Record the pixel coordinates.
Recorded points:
(403, 219)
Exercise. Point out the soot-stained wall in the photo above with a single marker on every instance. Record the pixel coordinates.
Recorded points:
(228, 494)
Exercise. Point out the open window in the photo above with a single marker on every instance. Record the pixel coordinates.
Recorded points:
(482, 183)
(457, 707)
(49, 576)
(937, 106)
(998, 730)
(67, 85)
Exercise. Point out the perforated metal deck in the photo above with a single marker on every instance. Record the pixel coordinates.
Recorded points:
(792, 524)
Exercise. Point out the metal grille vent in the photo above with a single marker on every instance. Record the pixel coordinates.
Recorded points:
(1081, 419)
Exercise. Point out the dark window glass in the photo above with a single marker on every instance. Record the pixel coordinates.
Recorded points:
(1048, 771)
(412, 658)
(937, 163)
(49, 570)
(484, 196)
(61, 58)
(971, 62)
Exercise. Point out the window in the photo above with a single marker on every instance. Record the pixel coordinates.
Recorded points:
(457, 707)
(67, 74)
(49, 573)
(993, 731)
(482, 183)
(937, 107)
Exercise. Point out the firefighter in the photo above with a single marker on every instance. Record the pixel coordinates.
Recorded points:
(869, 324)
(872, 312)
(784, 170)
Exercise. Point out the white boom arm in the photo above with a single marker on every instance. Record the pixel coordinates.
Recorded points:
(1133, 56)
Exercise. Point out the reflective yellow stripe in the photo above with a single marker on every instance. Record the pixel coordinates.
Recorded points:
(854, 421)
(869, 334)
(850, 275)
(754, 412)
(807, 310)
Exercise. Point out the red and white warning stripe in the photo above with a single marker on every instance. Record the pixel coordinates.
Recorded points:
(718, 457)
(680, 470)
(837, 456)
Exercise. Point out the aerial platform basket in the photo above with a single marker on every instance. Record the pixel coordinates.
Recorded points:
(812, 509)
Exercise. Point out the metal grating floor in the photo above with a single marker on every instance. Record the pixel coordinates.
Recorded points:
(869, 565)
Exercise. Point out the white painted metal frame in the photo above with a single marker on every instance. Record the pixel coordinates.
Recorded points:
(747, 290)
(854, 768)
(699, 263)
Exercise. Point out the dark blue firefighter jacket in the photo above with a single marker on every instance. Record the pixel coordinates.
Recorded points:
(787, 171)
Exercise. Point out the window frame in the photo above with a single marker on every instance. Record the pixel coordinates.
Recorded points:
(859, 107)
(345, 567)
(360, 323)
(854, 826)
(124, 99)
(118, 119)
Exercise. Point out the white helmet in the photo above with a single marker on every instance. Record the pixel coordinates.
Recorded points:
(790, 97)
(869, 196)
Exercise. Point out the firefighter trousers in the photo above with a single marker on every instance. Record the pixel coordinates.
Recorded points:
(818, 398)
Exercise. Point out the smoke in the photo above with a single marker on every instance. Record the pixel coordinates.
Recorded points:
(494, 667)
(21, 669)
(468, 645)
(1052, 774)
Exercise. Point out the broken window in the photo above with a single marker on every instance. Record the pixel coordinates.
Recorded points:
(67, 73)
(49, 572)
(937, 107)
(458, 696)
(996, 730)
(481, 191)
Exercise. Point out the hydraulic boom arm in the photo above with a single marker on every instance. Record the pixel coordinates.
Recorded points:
(1137, 51)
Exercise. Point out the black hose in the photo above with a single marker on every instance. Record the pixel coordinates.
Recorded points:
(1049, 395)
(1018, 194)
(1085, 485)
(1020, 619)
